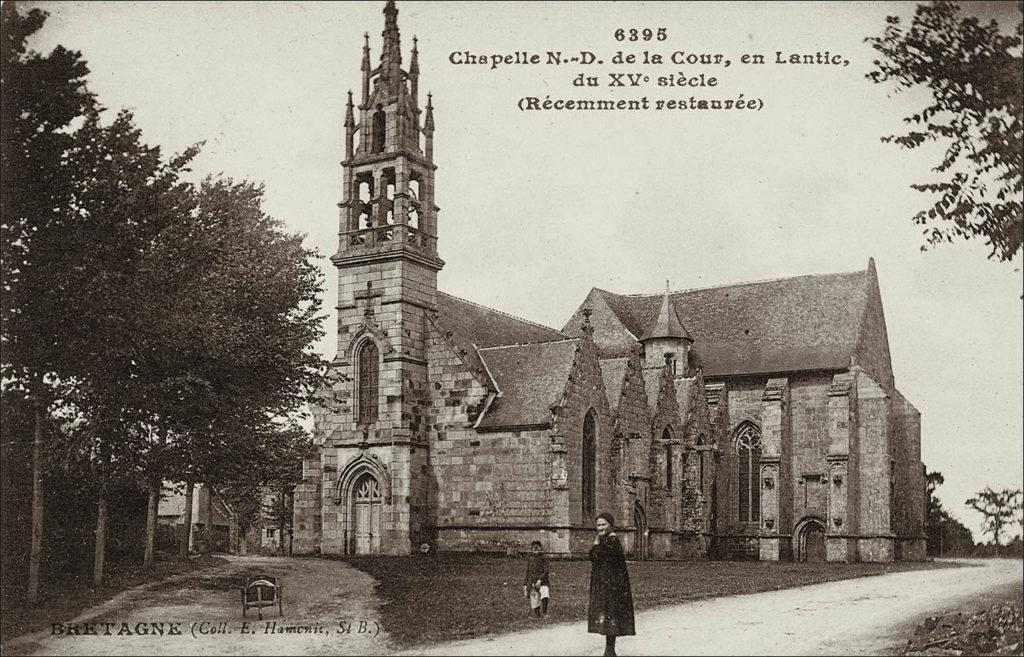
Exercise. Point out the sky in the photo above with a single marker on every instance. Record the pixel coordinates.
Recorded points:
(538, 207)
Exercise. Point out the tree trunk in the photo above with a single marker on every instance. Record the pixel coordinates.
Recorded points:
(208, 522)
(151, 513)
(186, 534)
(36, 546)
(101, 540)
(280, 521)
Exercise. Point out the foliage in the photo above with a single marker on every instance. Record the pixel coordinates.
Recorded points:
(1000, 508)
(171, 323)
(43, 96)
(974, 75)
(946, 536)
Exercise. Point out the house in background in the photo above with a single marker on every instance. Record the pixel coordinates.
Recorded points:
(208, 511)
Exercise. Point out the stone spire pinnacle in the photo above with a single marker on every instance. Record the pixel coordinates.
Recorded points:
(350, 118)
(428, 120)
(391, 54)
(666, 324)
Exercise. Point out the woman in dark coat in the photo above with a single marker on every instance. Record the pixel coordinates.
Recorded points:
(611, 600)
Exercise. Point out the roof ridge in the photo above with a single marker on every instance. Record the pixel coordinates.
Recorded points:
(527, 344)
(755, 282)
(501, 312)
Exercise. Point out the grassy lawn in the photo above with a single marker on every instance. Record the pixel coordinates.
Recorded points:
(428, 599)
(62, 602)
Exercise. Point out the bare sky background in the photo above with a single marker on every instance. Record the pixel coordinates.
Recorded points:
(538, 207)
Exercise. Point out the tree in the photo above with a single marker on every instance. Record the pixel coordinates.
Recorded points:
(947, 536)
(42, 96)
(239, 313)
(974, 74)
(1000, 508)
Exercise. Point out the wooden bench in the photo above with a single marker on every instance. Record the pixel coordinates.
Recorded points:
(260, 592)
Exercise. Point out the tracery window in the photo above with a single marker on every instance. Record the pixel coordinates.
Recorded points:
(589, 488)
(748, 456)
(369, 379)
(368, 489)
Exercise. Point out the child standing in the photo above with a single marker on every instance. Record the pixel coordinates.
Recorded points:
(537, 585)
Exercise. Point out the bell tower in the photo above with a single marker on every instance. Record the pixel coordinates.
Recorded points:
(387, 284)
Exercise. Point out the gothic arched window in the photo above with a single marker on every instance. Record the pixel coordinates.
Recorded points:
(748, 456)
(666, 435)
(368, 363)
(700, 463)
(589, 483)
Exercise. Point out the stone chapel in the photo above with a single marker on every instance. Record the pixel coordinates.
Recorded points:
(758, 420)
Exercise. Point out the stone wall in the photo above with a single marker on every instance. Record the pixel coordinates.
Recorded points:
(873, 530)
(584, 391)
(633, 430)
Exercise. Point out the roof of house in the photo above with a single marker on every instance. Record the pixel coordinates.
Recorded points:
(789, 324)
(531, 378)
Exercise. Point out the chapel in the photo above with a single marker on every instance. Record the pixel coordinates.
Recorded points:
(750, 421)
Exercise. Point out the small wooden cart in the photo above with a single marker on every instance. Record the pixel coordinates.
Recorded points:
(261, 592)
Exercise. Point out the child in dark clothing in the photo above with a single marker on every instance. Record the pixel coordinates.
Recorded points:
(537, 585)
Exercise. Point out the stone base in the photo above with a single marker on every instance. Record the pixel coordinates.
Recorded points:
(768, 549)
(839, 549)
(875, 550)
(912, 549)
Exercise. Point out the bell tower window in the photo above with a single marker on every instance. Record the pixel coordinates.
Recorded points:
(379, 130)
(369, 379)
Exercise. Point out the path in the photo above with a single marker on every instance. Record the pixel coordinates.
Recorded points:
(317, 593)
(851, 617)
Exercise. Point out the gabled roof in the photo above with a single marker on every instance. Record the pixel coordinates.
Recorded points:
(531, 377)
(666, 323)
(486, 327)
(613, 371)
(782, 325)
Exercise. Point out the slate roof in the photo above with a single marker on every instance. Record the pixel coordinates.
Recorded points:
(666, 323)
(613, 371)
(486, 327)
(531, 378)
(782, 325)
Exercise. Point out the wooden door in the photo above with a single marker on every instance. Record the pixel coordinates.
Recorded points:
(367, 516)
(814, 543)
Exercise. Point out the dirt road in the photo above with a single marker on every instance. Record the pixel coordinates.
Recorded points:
(850, 617)
(329, 609)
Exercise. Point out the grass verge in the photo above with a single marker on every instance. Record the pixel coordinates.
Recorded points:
(63, 601)
(450, 597)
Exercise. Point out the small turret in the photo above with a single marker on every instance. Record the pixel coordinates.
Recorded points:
(666, 341)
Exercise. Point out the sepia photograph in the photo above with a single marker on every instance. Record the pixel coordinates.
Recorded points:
(511, 328)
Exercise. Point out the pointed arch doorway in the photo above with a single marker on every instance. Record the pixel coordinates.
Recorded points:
(810, 536)
(641, 547)
(367, 504)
